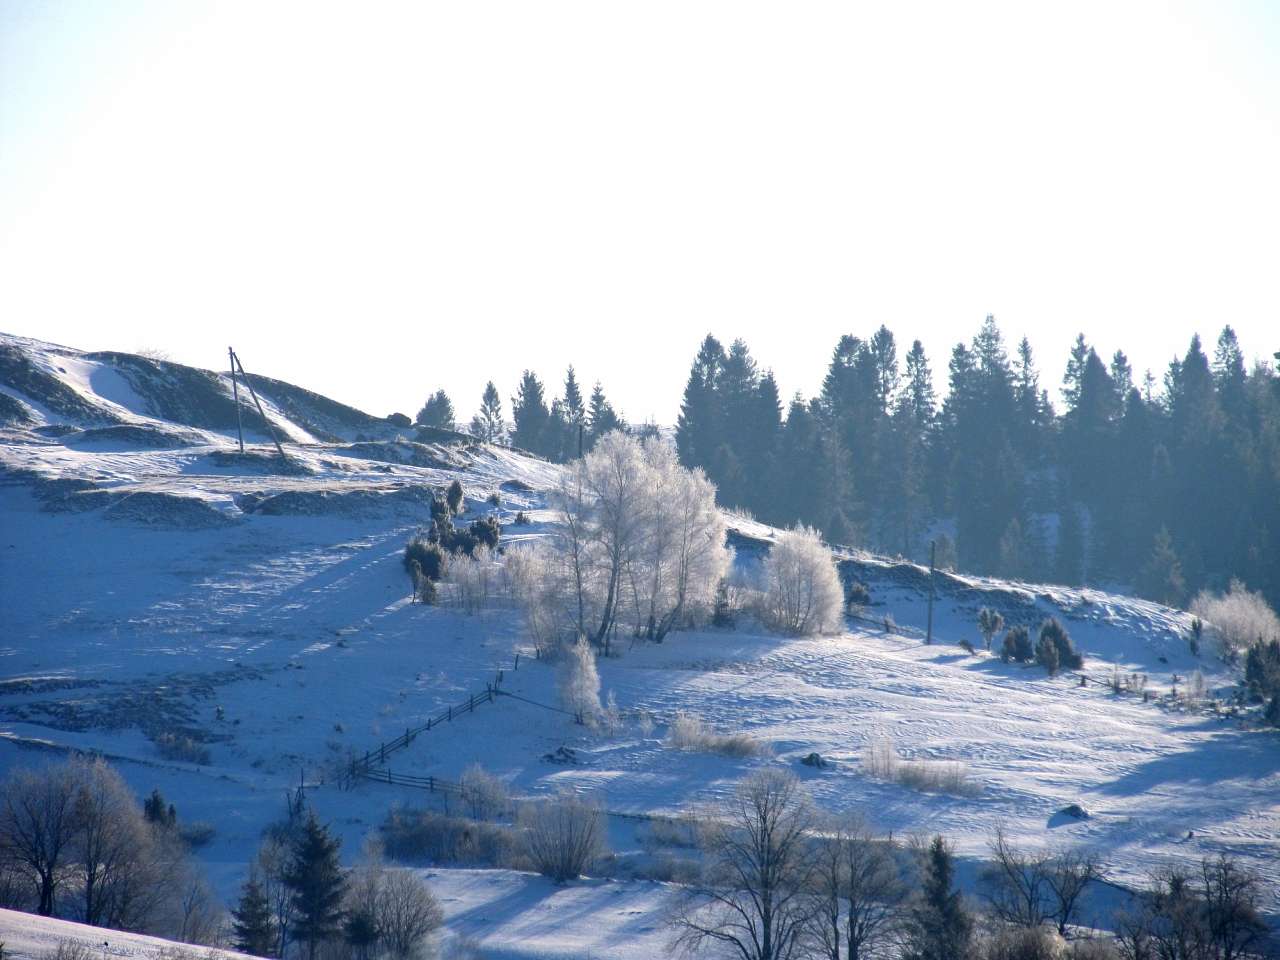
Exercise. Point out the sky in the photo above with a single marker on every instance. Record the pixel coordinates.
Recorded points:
(379, 200)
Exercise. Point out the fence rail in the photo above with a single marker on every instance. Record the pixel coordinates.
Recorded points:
(366, 767)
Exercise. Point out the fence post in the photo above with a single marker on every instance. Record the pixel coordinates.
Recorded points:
(451, 713)
(517, 666)
(431, 784)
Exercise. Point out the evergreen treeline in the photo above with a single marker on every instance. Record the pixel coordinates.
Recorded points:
(560, 429)
(1170, 489)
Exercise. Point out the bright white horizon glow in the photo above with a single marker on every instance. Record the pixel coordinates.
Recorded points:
(375, 201)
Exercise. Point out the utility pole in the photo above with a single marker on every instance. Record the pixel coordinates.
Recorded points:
(235, 394)
(253, 393)
(933, 555)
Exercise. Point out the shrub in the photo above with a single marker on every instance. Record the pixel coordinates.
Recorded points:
(1022, 943)
(1067, 657)
(177, 746)
(454, 498)
(431, 559)
(473, 578)
(1047, 654)
(564, 836)
(1017, 645)
(803, 596)
(881, 760)
(1239, 618)
(197, 833)
(485, 796)
(70, 950)
(1262, 670)
(440, 509)
(990, 622)
(424, 836)
(521, 520)
(687, 732)
(487, 532)
(856, 594)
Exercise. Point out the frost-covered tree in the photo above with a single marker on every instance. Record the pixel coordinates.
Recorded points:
(1239, 617)
(803, 596)
(640, 547)
(681, 557)
(579, 682)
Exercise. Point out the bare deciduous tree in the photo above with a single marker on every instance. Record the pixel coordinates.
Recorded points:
(407, 913)
(861, 893)
(755, 899)
(38, 825)
(1015, 883)
(1070, 873)
(562, 836)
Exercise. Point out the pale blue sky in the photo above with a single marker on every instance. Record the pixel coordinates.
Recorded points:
(376, 200)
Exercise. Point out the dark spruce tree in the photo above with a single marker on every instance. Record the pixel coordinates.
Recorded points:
(530, 416)
(253, 927)
(601, 418)
(938, 925)
(317, 885)
(437, 412)
(698, 428)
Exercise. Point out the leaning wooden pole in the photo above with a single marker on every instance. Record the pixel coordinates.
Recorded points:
(274, 439)
(235, 395)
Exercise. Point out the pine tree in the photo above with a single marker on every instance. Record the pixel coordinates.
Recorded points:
(698, 432)
(317, 885)
(1047, 655)
(437, 412)
(938, 926)
(601, 418)
(1069, 568)
(253, 926)
(1162, 577)
(488, 425)
(530, 416)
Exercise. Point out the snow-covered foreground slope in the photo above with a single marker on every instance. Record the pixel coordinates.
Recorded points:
(26, 937)
(265, 616)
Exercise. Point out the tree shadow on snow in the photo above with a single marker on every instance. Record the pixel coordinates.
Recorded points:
(1226, 755)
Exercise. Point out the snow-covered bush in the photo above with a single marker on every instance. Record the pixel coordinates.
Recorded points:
(688, 732)
(640, 547)
(473, 580)
(881, 760)
(1239, 617)
(562, 836)
(579, 683)
(485, 796)
(803, 596)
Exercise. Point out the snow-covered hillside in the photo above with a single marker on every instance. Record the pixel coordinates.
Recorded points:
(152, 580)
(26, 937)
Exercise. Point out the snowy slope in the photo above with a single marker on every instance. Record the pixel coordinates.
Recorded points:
(26, 937)
(263, 612)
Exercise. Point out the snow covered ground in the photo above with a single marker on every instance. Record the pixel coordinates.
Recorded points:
(26, 937)
(265, 614)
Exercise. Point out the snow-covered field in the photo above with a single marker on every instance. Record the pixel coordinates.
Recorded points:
(149, 588)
